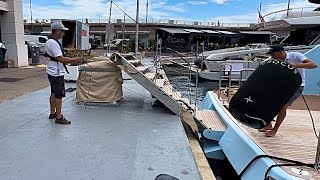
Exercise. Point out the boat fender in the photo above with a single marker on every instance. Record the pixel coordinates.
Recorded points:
(265, 93)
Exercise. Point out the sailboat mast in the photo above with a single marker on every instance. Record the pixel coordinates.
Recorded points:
(137, 29)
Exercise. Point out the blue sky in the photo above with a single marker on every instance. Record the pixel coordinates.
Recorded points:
(226, 11)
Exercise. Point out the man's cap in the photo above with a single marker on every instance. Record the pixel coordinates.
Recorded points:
(58, 26)
(275, 48)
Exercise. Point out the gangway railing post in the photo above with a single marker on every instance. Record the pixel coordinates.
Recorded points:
(190, 81)
(197, 47)
(241, 74)
(223, 76)
(196, 99)
(229, 83)
(160, 54)
(156, 57)
(317, 161)
(202, 58)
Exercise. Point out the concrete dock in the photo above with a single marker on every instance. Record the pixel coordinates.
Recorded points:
(133, 140)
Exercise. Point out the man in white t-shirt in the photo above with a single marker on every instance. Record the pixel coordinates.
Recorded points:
(299, 61)
(56, 61)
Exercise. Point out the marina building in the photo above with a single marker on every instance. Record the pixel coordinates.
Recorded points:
(12, 31)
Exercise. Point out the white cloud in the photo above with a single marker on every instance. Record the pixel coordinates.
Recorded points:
(70, 9)
(197, 2)
(99, 9)
(247, 18)
(158, 9)
(219, 1)
(252, 17)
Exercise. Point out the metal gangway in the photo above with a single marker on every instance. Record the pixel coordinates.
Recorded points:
(159, 87)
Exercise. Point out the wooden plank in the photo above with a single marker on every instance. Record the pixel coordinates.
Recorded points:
(162, 73)
(164, 76)
(160, 82)
(150, 75)
(186, 100)
(211, 119)
(176, 95)
(186, 103)
(142, 69)
(168, 89)
(135, 62)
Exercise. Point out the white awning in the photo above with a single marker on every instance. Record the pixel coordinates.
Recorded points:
(174, 30)
(210, 31)
(97, 32)
(227, 32)
(133, 32)
(192, 30)
(258, 32)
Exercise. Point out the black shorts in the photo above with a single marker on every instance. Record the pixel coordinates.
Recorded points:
(57, 86)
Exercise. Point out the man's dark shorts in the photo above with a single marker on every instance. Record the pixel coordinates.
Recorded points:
(57, 86)
(296, 95)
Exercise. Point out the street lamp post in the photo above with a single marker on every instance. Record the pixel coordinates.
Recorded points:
(147, 6)
(137, 29)
(31, 17)
(109, 30)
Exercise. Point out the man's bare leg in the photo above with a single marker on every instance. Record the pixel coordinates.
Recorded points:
(52, 100)
(58, 108)
(281, 115)
(268, 127)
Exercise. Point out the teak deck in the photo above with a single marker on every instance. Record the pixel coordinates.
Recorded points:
(295, 140)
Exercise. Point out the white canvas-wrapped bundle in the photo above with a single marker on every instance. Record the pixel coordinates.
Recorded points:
(99, 82)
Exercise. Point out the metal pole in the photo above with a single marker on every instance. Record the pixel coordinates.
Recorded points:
(157, 45)
(196, 100)
(317, 161)
(109, 30)
(31, 16)
(124, 24)
(160, 44)
(137, 29)
(229, 83)
(202, 58)
(147, 7)
(288, 8)
(190, 80)
(197, 47)
(156, 58)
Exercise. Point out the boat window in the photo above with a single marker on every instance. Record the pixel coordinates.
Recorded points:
(42, 40)
(316, 41)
